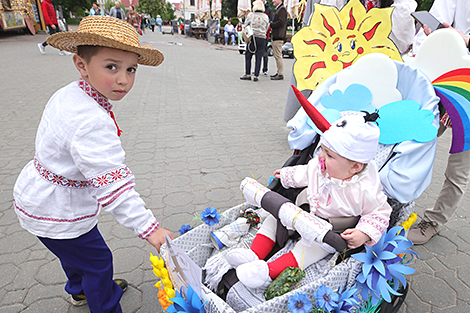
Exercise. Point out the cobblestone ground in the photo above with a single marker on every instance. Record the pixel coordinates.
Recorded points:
(192, 132)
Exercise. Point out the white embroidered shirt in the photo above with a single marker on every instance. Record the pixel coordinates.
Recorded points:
(78, 170)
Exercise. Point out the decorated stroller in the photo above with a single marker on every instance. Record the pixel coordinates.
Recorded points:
(404, 164)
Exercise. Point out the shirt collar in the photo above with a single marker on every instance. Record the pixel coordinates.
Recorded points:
(86, 87)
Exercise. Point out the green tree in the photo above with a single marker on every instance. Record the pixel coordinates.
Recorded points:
(169, 13)
(73, 5)
(424, 5)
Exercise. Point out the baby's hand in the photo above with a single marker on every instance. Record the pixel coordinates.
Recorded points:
(277, 173)
(354, 237)
(158, 238)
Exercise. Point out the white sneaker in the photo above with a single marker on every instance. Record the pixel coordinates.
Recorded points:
(42, 48)
(62, 52)
(254, 274)
(239, 256)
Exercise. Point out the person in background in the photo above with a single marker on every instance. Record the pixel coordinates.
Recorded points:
(229, 30)
(117, 11)
(279, 28)
(159, 23)
(453, 14)
(259, 22)
(133, 18)
(239, 30)
(269, 11)
(143, 22)
(95, 10)
(152, 24)
(52, 24)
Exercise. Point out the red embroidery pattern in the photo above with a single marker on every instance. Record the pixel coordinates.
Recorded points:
(58, 179)
(95, 95)
(116, 194)
(376, 222)
(150, 230)
(289, 177)
(52, 219)
(111, 177)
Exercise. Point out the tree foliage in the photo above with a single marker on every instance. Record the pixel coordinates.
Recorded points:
(73, 5)
(424, 5)
(156, 7)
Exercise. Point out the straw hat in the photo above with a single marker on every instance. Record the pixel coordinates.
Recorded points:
(106, 31)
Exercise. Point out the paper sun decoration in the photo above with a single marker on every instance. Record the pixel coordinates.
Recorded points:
(382, 264)
(336, 39)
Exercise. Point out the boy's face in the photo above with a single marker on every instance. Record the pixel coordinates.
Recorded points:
(110, 71)
(337, 166)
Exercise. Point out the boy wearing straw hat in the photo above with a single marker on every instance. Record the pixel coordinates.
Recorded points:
(79, 169)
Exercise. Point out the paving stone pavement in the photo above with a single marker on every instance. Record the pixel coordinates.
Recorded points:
(192, 131)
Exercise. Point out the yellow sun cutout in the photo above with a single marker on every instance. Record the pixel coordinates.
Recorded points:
(336, 39)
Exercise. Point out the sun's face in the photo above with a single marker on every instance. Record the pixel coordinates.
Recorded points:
(336, 39)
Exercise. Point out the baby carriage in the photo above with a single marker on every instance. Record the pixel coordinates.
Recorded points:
(405, 171)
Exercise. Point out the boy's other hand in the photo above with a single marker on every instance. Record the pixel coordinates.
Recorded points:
(277, 173)
(354, 237)
(158, 238)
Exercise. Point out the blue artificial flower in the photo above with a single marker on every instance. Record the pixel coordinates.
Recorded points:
(184, 229)
(325, 298)
(382, 264)
(193, 305)
(210, 216)
(347, 300)
(299, 303)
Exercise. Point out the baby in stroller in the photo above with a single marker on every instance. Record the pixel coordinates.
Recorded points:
(342, 181)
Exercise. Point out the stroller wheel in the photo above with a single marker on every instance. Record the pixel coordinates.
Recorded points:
(396, 302)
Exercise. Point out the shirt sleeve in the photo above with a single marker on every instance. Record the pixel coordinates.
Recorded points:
(294, 176)
(97, 153)
(376, 213)
(403, 26)
(443, 11)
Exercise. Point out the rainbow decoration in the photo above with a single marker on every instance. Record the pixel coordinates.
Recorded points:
(453, 88)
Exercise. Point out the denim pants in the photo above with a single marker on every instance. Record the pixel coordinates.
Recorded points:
(255, 47)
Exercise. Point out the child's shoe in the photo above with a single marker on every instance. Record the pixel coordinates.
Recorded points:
(42, 49)
(239, 256)
(79, 300)
(254, 274)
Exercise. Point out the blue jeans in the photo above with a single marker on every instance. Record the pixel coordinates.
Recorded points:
(232, 35)
(88, 264)
(254, 47)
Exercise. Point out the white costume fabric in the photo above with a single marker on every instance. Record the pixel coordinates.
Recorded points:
(454, 12)
(403, 27)
(78, 170)
(329, 197)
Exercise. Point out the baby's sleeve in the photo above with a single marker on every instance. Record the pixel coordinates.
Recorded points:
(97, 152)
(376, 214)
(294, 176)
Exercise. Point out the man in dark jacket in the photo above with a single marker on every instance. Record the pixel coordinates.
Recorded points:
(270, 13)
(279, 27)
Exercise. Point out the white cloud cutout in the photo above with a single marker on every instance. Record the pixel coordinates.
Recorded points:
(441, 52)
(377, 72)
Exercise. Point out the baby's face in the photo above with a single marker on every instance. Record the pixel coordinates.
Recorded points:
(111, 72)
(334, 165)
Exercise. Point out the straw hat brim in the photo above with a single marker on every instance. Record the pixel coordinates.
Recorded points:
(69, 41)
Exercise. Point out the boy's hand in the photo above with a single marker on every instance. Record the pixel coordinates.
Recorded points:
(354, 237)
(277, 173)
(158, 238)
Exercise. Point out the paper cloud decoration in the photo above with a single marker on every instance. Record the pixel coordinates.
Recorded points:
(378, 73)
(355, 98)
(404, 120)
